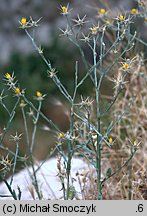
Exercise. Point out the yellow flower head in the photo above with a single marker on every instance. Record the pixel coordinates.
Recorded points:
(145, 19)
(135, 143)
(134, 11)
(39, 94)
(102, 11)
(23, 21)
(61, 135)
(64, 9)
(121, 17)
(110, 140)
(125, 66)
(94, 30)
(8, 76)
(17, 91)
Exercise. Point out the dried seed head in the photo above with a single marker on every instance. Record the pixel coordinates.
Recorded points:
(22, 104)
(107, 22)
(16, 137)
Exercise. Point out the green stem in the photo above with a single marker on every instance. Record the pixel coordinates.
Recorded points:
(98, 157)
(15, 160)
(25, 126)
(10, 120)
(35, 126)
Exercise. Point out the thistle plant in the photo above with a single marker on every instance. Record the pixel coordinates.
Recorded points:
(91, 127)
